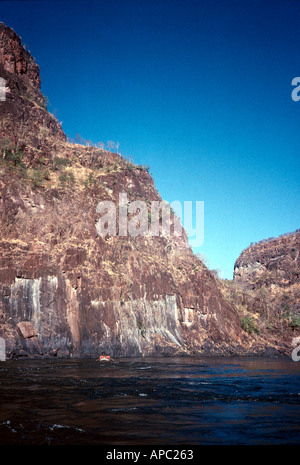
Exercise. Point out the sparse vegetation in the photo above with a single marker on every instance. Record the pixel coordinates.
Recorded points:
(44, 103)
(37, 177)
(11, 153)
(130, 167)
(15, 157)
(141, 327)
(60, 162)
(269, 239)
(66, 179)
(46, 175)
(90, 180)
(295, 321)
(28, 96)
(249, 325)
(6, 146)
(143, 167)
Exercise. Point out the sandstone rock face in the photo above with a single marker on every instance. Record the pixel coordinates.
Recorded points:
(66, 291)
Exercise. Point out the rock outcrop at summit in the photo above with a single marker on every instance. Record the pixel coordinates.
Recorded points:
(65, 290)
(24, 120)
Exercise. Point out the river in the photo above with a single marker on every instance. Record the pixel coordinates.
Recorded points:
(173, 401)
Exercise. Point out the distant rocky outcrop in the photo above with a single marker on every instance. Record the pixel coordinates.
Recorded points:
(266, 290)
(275, 262)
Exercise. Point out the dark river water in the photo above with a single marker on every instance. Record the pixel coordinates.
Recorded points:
(173, 401)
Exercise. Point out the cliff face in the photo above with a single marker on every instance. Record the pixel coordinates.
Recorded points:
(66, 291)
(24, 120)
(275, 262)
(266, 290)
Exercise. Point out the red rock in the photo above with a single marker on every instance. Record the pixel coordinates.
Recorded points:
(26, 329)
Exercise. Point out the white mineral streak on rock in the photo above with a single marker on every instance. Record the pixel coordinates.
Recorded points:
(139, 321)
(2, 350)
(73, 313)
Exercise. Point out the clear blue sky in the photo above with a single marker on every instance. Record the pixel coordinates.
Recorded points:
(198, 90)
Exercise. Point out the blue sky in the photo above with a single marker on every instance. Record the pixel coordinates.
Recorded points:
(198, 90)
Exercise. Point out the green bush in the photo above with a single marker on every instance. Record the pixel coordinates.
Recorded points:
(66, 179)
(37, 177)
(46, 174)
(143, 167)
(90, 180)
(295, 321)
(249, 325)
(129, 167)
(15, 157)
(59, 163)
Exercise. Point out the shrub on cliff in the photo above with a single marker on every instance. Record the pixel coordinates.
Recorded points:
(66, 179)
(15, 157)
(295, 322)
(249, 325)
(37, 177)
(59, 163)
(10, 153)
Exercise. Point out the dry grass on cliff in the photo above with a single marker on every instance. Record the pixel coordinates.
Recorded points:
(266, 310)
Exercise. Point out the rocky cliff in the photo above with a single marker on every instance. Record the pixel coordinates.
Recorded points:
(272, 263)
(266, 290)
(67, 291)
(24, 120)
